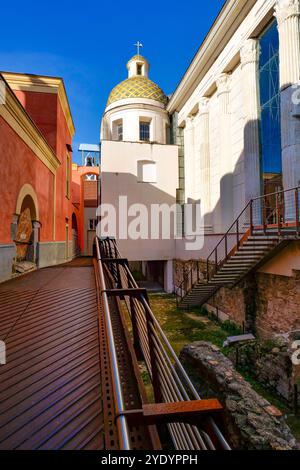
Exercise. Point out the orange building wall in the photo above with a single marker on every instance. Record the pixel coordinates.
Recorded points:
(42, 108)
(77, 191)
(64, 205)
(46, 111)
(18, 166)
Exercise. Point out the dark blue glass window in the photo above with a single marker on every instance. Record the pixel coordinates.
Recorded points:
(270, 102)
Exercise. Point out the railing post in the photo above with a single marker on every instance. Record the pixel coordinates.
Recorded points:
(216, 260)
(264, 213)
(297, 211)
(278, 213)
(238, 233)
(251, 217)
(135, 331)
(207, 270)
(226, 247)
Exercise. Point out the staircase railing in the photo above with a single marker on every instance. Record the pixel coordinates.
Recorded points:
(276, 214)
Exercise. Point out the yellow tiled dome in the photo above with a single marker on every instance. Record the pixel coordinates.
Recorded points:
(137, 87)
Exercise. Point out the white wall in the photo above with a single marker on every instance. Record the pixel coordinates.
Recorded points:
(131, 112)
(119, 177)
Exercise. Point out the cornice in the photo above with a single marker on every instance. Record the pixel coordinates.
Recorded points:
(16, 117)
(41, 84)
(230, 18)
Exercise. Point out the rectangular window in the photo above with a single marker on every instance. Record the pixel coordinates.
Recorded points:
(145, 131)
(270, 131)
(139, 69)
(68, 161)
(120, 132)
(92, 224)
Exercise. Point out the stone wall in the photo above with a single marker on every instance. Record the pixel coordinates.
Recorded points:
(265, 304)
(7, 255)
(278, 304)
(251, 422)
(269, 362)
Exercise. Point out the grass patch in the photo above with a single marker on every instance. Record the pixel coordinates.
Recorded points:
(185, 327)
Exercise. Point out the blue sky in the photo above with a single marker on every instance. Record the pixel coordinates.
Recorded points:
(88, 43)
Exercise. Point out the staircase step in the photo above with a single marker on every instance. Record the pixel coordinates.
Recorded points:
(248, 254)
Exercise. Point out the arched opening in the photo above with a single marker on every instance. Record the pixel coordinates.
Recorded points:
(26, 230)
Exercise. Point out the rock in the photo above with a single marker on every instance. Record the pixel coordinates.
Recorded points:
(251, 421)
(273, 411)
(275, 351)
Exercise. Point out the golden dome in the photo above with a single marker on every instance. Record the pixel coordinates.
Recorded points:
(137, 87)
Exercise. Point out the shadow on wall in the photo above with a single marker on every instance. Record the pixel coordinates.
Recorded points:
(228, 199)
(132, 210)
(230, 194)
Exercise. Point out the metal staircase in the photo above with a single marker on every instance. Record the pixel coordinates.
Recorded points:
(265, 226)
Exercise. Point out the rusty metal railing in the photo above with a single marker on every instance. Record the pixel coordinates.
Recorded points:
(123, 432)
(274, 214)
(171, 383)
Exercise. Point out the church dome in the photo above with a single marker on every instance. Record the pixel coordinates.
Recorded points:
(137, 86)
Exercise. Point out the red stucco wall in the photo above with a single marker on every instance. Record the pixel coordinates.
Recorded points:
(18, 166)
(42, 108)
(64, 205)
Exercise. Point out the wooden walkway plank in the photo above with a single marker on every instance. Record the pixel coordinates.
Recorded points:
(50, 391)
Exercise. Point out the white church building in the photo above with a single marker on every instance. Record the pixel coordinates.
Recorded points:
(229, 137)
(139, 166)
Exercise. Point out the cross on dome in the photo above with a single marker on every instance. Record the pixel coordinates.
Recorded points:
(138, 46)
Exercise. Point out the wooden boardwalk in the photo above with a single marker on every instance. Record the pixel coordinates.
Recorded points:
(50, 392)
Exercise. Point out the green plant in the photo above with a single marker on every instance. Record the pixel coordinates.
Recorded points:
(138, 276)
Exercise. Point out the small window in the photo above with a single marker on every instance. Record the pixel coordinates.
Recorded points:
(146, 172)
(145, 131)
(120, 132)
(89, 161)
(92, 224)
(117, 130)
(139, 69)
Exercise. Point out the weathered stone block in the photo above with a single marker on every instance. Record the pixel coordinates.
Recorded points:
(251, 421)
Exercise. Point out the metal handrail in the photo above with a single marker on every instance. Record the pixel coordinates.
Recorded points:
(169, 378)
(278, 214)
(279, 211)
(123, 432)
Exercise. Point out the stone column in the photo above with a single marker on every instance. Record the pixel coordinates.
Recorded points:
(205, 183)
(249, 66)
(226, 170)
(287, 13)
(251, 103)
(189, 158)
